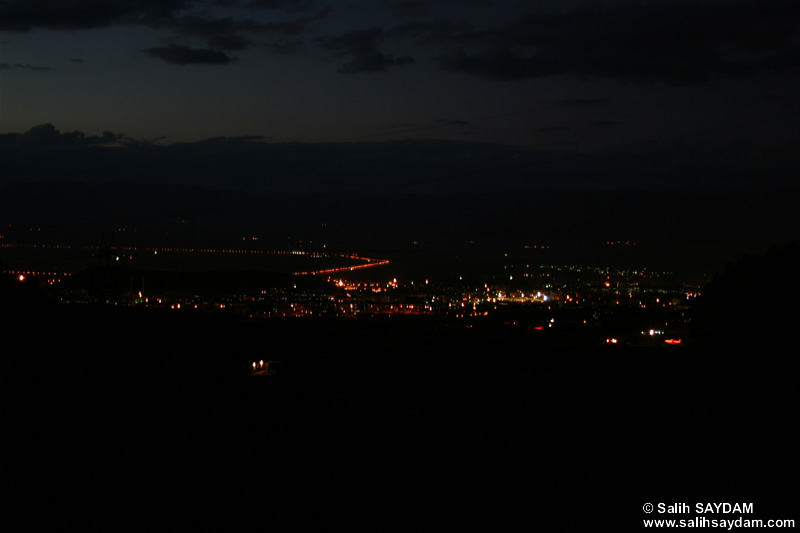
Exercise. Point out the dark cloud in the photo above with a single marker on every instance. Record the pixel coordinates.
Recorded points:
(362, 46)
(25, 15)
(232, 34)
(7, 66)
(47, 135)
(205, 26)
(76, 59)
(668, 42)
(220, 33)
(658, 41)
(182, 55)
(21, 66)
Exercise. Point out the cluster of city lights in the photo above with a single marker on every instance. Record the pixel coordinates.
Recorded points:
(262, 368)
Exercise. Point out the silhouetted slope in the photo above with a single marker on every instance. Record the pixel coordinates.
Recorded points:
(752, 305)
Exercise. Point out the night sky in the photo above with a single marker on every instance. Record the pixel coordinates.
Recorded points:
(713, 83)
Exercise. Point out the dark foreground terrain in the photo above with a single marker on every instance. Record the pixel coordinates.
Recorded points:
(413, 414)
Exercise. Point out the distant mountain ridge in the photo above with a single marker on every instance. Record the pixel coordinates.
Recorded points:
(685, 221)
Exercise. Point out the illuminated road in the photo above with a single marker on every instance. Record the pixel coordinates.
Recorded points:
(368, 264)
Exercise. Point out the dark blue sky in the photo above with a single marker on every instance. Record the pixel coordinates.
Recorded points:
(711, 84)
